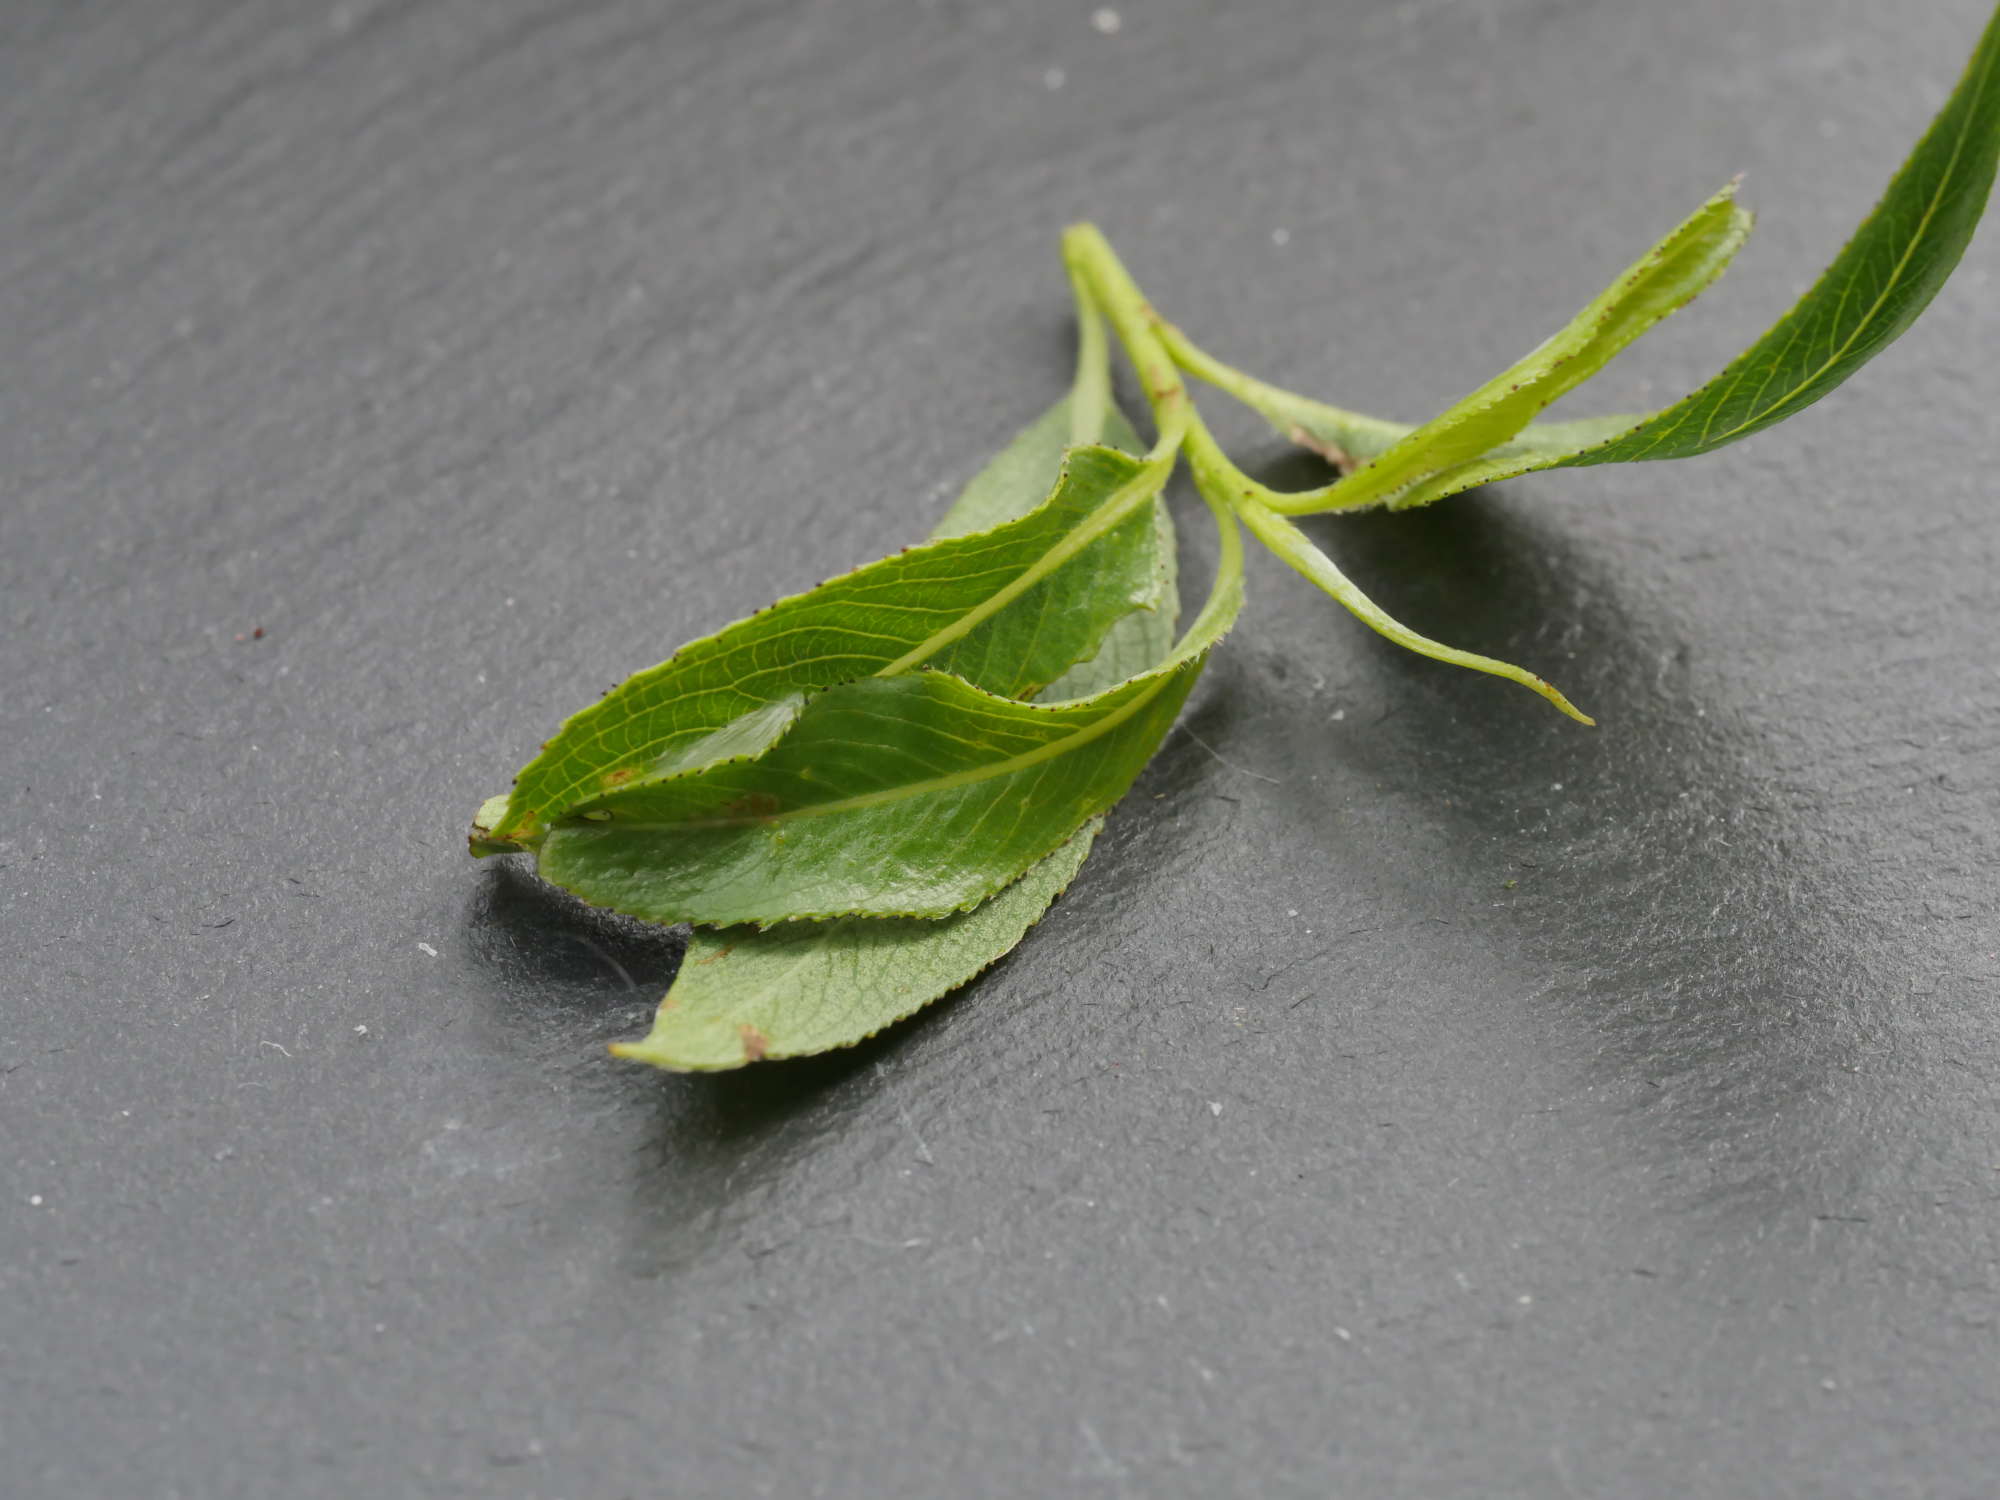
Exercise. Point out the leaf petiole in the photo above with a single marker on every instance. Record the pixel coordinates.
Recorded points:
(1095, 266)
(1090, 391)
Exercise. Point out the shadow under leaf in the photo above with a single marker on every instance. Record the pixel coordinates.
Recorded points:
(1690, 893)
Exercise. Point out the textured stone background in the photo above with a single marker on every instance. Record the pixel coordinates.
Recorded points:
(1418, 1094)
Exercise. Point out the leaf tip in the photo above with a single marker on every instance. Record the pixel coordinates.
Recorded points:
(1555, 695)
(482, 841)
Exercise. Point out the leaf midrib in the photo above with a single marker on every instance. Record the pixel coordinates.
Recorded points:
(1895, 273)
(951, 781)
(1117, 506)
(1114, 510)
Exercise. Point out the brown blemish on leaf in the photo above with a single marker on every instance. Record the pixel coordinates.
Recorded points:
(514, 828)
(619, 776)
(1332, 452)
(752, 805)
(755, 1043)
(715, 958)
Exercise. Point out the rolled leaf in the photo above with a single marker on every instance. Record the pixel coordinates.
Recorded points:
(917, 795)
(1666, 278)
(1009, 608)
(744, 993)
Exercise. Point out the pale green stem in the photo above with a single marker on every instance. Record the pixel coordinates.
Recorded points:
(1292, 414)
(1170, 414)
(1092, 261)
(1097, 272)
(1120, 504)
(1216, 475)
(1090, 392)
(1291, 544)
(1225, 487)
(1158, 351)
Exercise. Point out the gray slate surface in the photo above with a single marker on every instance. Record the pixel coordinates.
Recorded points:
(1417, 1096)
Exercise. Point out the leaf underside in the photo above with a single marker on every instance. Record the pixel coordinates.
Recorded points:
(743, 995)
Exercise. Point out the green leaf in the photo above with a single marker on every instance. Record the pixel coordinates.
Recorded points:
(743, 995)
(1666, 278)
(1140, 639)
(1018, 476)
(1886, 275)
(1009, 608)
(1298, 551)
(892, 796)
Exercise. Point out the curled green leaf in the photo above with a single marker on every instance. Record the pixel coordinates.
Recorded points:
(916, 795)
(745, 993)
(1440, 456)
(1009, 608)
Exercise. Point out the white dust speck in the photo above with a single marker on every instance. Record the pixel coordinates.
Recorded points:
(1829, 1385)
(1525, 1299)
(427, 948)
(34, 1200)
(1343, 1335)
(275, 1047)
(361, 1031)
(1107, 21)
(1291, 911)
(1215, 1107)
(1054, 79)
(1281, 237)
(1339, 714)
(1555, 786)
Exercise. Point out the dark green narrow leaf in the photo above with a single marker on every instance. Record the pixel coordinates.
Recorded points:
(1888, 273)
(1899, 258)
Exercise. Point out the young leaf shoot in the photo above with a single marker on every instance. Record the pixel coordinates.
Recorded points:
(865, 794)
